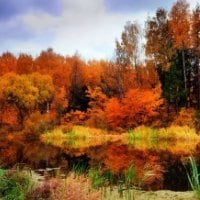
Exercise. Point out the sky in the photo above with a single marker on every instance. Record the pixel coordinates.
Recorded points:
(89, 27)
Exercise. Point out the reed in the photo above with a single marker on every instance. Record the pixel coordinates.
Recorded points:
(193, 177)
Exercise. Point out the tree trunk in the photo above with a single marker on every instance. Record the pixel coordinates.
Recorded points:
(137, 73)
(184, 77)
(198, 84)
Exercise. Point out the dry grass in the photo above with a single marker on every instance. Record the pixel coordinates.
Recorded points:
(74, 189)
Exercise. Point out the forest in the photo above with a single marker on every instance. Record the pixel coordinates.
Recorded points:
(150, 87)
(141, 91)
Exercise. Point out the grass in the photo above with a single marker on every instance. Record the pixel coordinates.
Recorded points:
(109, 183)
(79, 137)
(96, 178)
(16, 185)
(139, 133)
(79, 168)
(194, 177)
(174, 138)
(169, 133)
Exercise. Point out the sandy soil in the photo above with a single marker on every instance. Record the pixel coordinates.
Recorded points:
(148, 195)
(165, 195)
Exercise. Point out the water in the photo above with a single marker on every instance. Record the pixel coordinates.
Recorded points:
(163, 162)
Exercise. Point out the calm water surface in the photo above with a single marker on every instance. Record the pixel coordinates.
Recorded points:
(166, 159)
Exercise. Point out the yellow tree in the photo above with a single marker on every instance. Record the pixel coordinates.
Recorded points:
(26, 92)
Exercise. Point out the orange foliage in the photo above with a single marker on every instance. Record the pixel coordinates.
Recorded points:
(8, 115)
(95, 112)
(113, 112)
(186, 117)
(25, 64)
(138, 107)
(8, 63)
(180, 25)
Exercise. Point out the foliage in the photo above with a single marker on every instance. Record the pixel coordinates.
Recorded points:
(159, 41)
(95, 112)
(78, 92)
(26, 92)
(186, 117)
(173, 84)
(37, 123)
(15, 185)
(179, 24)
(138, 107)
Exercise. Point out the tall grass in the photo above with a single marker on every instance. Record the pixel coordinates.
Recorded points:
(194, 177)
(79, 168)
(109, 183)
(16, 185)
(97, 180)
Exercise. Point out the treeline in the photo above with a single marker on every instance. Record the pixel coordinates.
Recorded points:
(123, 93)
(173, 47)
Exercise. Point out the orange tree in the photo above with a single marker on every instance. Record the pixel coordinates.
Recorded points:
(139, 106)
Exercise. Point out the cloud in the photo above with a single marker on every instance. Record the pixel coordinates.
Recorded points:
(135, 6)
(193, 3)
(86, 26)
(12, 8)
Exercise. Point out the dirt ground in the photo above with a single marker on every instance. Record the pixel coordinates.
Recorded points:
(151, 195)
(165, 195)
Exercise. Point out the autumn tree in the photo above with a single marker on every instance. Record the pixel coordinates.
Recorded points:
(179, 24)
(48, 61)
(45, 88)
(136, 108)
(127, 55)
(26, 92)
(8, 63)
(196, 28)
(25, 64)
(95, 111)
(114, 111)
(109, 79)
(78, 99)
(159, 42)
(173, 83)
(195, 35)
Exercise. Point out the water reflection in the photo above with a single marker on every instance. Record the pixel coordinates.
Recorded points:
(165, 160)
